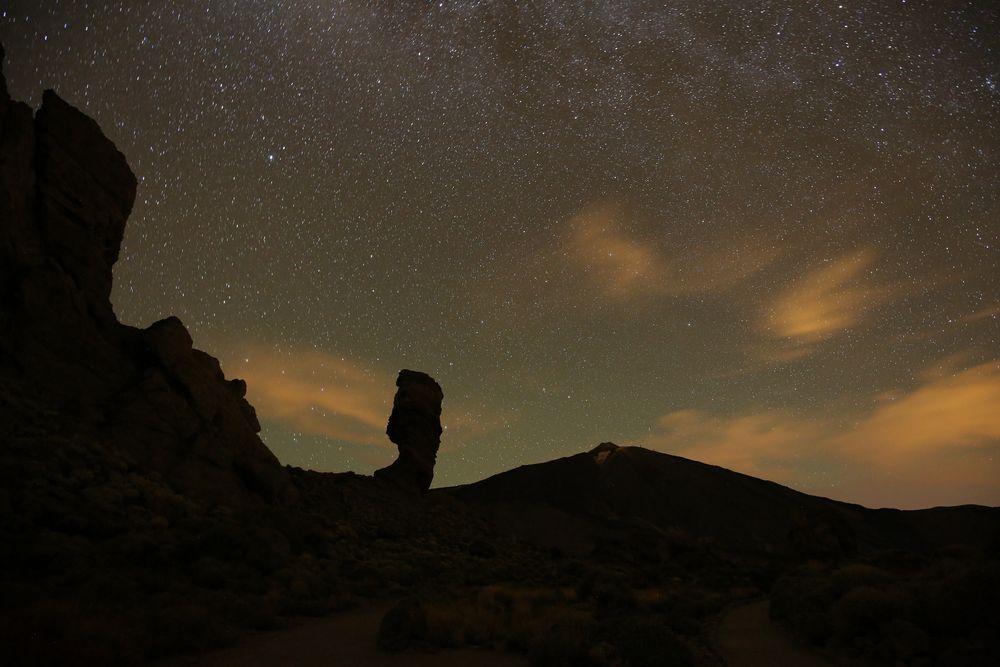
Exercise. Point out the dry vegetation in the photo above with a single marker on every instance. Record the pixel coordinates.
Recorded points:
(898, 609)
(587, 613)
(552, 626)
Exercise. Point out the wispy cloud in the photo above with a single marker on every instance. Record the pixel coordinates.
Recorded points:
(316, 392)
(826, 301)
(950, 424)
(620, 258)
(603, 241)
(823, 303)
(618, 262)
(983, 314)
(761, 443)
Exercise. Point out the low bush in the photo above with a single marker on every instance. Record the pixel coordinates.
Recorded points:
(922, 610)
(404, 626)
(565, 642)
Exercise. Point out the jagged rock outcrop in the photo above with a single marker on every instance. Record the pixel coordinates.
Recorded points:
(415, 427)
(66, 364)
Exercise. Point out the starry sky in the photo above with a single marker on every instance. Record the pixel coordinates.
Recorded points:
(761, 235)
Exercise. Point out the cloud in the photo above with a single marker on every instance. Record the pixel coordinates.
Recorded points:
(938, 441)
(762, 443)
(988, 313)
(625, 263)
(820, 305)
(341, 398)
(619, 263)
(316, 392)
(825, 301)
(621, 258)
(952, 412)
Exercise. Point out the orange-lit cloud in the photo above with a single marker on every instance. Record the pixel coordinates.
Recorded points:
(826, 301)
(761, 444)
(621, 264)
(937, 442)
(341, 398)
(607, 248)
(317, 393)
(955, 411)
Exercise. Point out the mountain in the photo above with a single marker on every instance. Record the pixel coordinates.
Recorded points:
(578, 501)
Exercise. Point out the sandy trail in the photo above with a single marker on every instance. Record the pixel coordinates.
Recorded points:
(747, 638)
(347, 639)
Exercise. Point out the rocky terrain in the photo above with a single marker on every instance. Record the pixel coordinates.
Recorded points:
(141, 516)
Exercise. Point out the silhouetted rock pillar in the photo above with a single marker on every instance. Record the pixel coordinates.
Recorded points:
(415, 427)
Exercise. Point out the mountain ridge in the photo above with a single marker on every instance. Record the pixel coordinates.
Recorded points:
(739, 510)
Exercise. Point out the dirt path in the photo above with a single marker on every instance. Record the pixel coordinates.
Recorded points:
(344, 640)
(747, 638)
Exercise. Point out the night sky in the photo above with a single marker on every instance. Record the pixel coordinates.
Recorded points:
(764, 238)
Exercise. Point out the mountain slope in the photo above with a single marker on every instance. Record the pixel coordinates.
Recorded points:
(579, 500)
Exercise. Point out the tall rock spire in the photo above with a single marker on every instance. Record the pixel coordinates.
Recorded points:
(415, 427)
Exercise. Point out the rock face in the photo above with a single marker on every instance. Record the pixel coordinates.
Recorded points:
(66, 363)
(415, 427)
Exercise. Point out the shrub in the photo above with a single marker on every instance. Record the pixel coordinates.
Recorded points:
(253, 613)
(482, 549)
(968, 598)
(902, 642)
(860, 574)
(186, 628)
(64, 633)
(403, 627)
(790, 596)
(610, 593)
(802, 602)
(863, 610)
(644, 642)
(564, 643)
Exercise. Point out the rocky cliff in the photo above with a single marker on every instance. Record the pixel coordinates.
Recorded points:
(67, 365)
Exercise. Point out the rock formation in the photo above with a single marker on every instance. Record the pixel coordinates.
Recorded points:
(67, 365)
(415, 427)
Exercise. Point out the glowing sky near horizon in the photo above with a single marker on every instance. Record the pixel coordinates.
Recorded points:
(763, 237)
